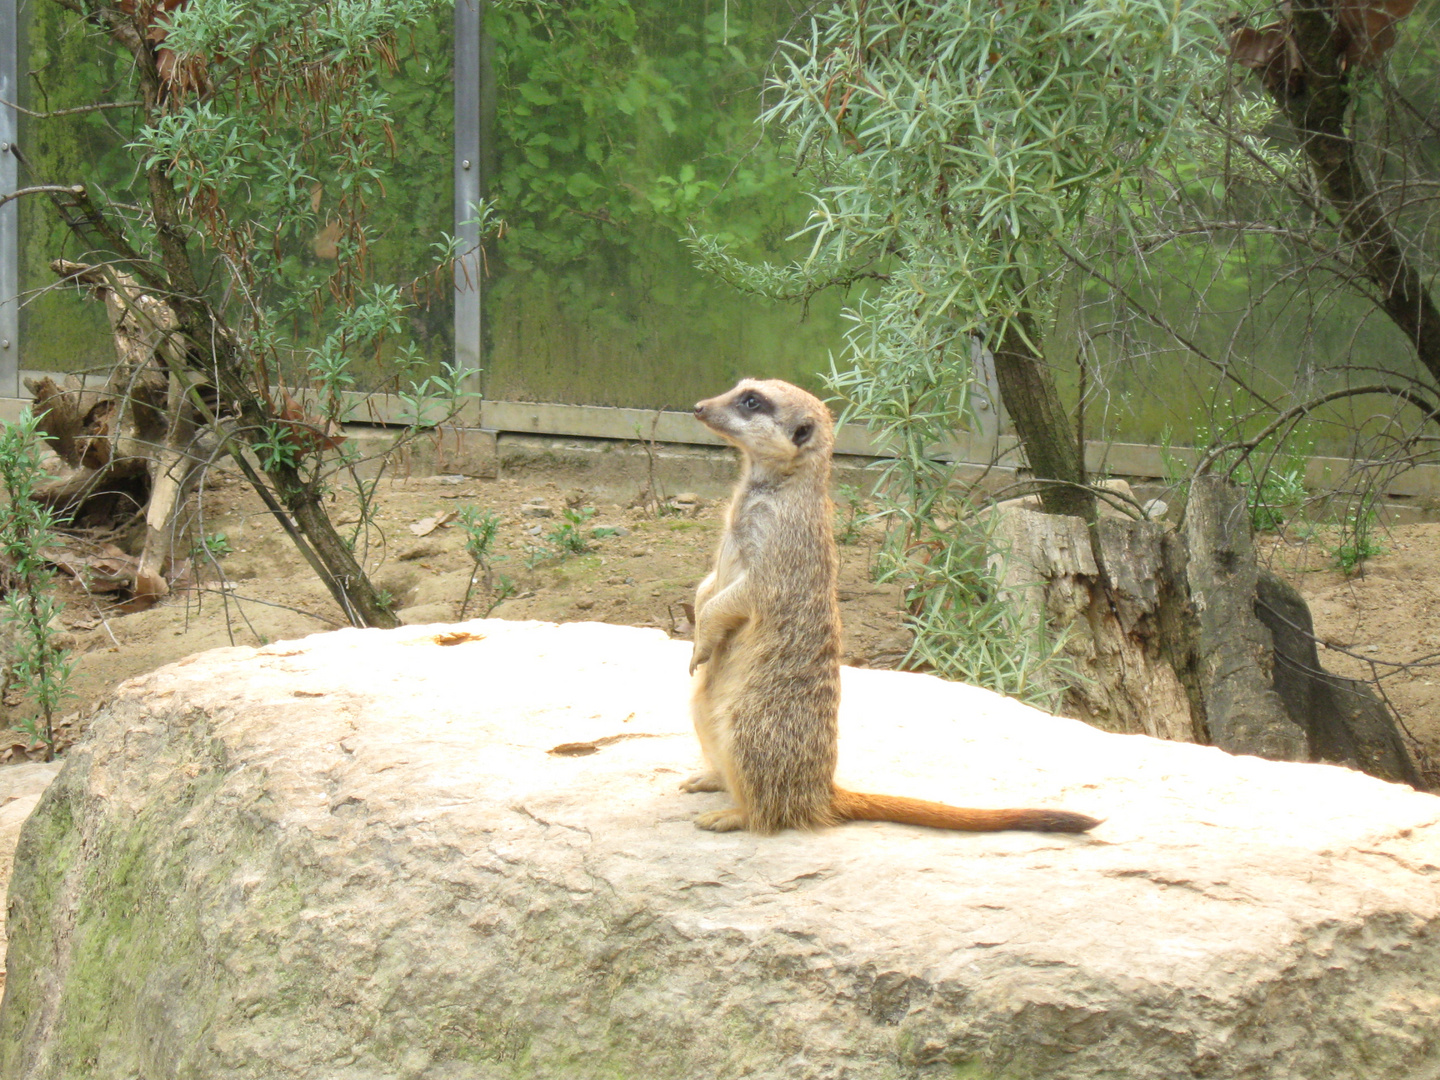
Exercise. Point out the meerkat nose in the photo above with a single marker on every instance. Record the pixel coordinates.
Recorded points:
(699, 408)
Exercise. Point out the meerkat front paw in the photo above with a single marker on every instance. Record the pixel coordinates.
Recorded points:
(698, 657)
(703, 781)
(730, 820)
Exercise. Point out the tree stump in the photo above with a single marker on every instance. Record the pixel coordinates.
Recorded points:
(1171, 634)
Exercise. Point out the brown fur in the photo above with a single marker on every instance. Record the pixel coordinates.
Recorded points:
(767, 637)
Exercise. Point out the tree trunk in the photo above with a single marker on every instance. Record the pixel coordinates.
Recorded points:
(1317, 102)
(204, 344)
(1169, 640)
(1027, 388)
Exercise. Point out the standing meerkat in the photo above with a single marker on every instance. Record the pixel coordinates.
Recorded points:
(767, 637)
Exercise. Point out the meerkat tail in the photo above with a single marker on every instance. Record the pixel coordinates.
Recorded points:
(856, 806)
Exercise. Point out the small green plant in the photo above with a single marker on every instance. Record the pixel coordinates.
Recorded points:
(216, 546)
(504, 589)
(849, 515)
(538, 555)
(967, 625)
(274, 449)
(39, 664)
(480, 530)
(1272, 474)
(1276, 495)
(571, 537)
(1357, 538)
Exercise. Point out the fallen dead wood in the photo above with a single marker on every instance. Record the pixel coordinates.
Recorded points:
(126, 451)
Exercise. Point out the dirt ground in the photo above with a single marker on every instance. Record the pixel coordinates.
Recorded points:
(644, 574)
(1381, 622)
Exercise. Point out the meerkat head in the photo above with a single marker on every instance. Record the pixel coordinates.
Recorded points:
(775, 424)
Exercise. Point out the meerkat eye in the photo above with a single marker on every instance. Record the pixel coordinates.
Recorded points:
(750, 401)
(802, 434)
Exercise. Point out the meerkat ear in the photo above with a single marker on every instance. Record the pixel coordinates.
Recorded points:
(803, 433)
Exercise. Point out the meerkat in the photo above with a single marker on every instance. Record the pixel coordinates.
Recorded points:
(767, 637)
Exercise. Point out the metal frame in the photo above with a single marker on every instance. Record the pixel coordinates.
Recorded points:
(10, 211)
(469, 184)
(474, 105)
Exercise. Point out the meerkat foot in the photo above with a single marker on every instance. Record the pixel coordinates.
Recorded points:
(729, 820)
(703, 781)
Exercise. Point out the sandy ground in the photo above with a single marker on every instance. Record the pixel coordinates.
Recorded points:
(1382, 622)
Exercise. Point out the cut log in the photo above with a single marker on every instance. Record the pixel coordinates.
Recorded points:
(1177, 634)
(1344, 721)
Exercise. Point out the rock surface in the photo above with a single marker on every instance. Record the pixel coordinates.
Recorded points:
(455, 852)
(20, 789)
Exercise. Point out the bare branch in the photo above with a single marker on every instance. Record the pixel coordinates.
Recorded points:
(1162, 323)
(43, 189)
(1247, 446)
(75, 111)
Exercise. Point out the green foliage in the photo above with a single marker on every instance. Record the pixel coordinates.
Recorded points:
(1272, 473)
(1357, 538)
(959, 150)
(216, 545)
(849, 514)
(280, 176)
(619, 124)
(571, 537)
(966, 626)
(392, 93)
(275, 446)
(480, 531)
(621, 120)
(39, 664)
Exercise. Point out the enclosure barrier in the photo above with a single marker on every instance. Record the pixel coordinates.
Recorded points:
(639, 426)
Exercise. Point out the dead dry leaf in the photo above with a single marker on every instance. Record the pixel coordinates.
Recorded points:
(457, 637)
(425, 526)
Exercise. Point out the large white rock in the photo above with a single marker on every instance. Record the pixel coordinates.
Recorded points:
(366, 855)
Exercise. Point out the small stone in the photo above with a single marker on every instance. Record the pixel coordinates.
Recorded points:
(585, 605)
(537, 508)
(415, 552)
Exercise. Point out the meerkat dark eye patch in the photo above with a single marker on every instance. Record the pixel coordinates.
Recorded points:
(803, 433)
(752, 402)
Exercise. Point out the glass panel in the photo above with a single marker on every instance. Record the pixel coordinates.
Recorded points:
(66, 64)
(618, 125)
(69, 64)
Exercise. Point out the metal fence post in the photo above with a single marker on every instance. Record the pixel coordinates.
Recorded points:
(989, 410)
(469, 185)
(10, 211)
